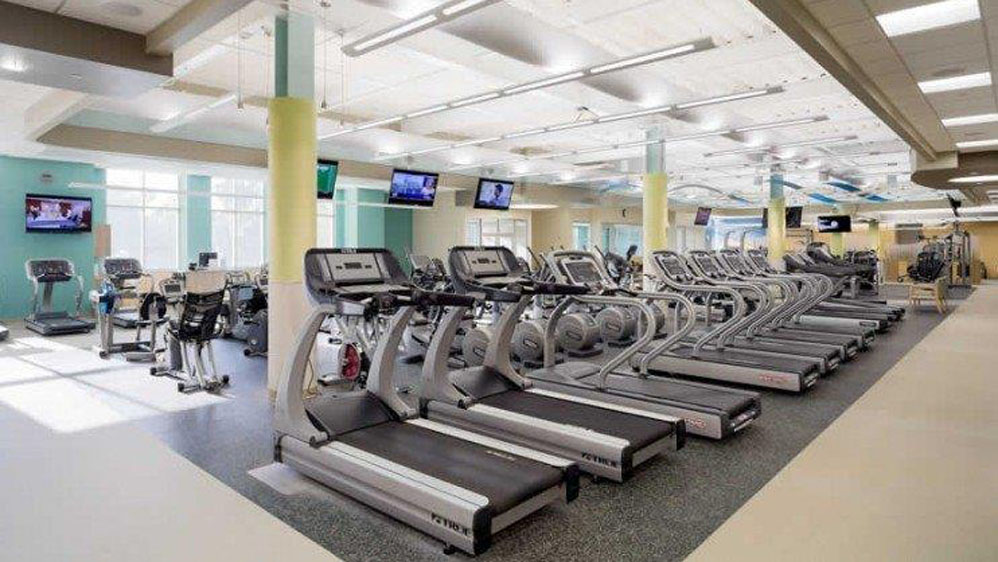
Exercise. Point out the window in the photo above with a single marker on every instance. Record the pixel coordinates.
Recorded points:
(325, 232)
(143, 211)
(580, 235)
(237, 222)
(617, 238)
(511, 233)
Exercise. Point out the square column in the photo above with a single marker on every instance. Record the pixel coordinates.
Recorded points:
(654, 201)
(776, 217)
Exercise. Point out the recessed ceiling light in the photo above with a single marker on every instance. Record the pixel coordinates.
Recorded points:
(975, 179)
(956, 83)
(971, 120)
(121, 9)
(977, 143)
(928, 16)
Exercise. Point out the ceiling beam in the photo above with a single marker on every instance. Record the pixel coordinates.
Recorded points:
(794, 19)
(189, 22)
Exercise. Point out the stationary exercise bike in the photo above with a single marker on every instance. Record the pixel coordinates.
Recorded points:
(150, 315)
(189, 337)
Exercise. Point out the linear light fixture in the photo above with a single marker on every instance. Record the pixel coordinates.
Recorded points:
(421, 22)
(608, 119)
(977, 143)
(956, 83)
(780, 124)
(628, 62)
(929, 16)
(975, 179)
(755, 149)
(971, 120)
(178, 120)
(729, 97)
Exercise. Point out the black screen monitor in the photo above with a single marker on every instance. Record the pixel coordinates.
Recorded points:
(703, 216)
(413, 188)
(494, 194)
(205, 259)
(835, 223)
(326, 172)
(57, 213)
(765, 218)
(795, 215)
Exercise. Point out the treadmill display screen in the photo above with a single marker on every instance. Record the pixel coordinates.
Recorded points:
(706, 264)
(584, 272)
(354, 269)
(485, 263)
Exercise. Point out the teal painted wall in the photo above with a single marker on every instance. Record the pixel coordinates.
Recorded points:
(398, 233)
(197, 217)
(19, 176)
(370, 220)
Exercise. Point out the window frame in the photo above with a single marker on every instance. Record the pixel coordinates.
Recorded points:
(151, 200)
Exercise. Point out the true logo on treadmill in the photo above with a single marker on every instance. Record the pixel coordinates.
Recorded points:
(598, 460)
(447, 523)
(693, 422)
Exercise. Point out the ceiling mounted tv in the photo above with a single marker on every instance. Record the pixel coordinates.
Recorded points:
(835, 223)
(326, 172)
(49, 213)
(413, 188)
(794, 215)
(703, 216)
(494, 194)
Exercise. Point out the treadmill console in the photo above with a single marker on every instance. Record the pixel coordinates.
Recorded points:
(51, 271)
(122, 268)
(672, 267)
(583, 272)
(354, 269)
(707, 264)
(485, 263)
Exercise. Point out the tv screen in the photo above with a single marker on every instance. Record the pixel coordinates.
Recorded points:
(413, 188)
(326, 172)
(48, 213)
(795, 215)
(494, 194)
(703, 216)
(835, 223)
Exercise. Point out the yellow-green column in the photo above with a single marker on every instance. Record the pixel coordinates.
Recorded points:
(654, 201)
(291, 205)
(874, 237)
(837, 242)
(776, 217)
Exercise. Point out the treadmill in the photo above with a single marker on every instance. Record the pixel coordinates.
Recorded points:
(455, 485)
(44, 274)
(4, 332)
(123, 274)
(709, 357)
(606, 439)
(709, 411)
(796, 323)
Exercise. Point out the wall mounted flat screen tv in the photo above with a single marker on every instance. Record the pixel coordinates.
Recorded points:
(795, 215)
(703, 216)
(413, 188)
(494, 194)
(48, 213)
(326, 172)
(835, 223)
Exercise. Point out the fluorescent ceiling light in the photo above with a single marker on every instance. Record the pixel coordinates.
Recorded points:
(474, 142)
(778, 124)
(814, 142)
(643, 59)
(633, 114)
(971, 120)
(178, 120)
(543, 83)
(476, 99)
(379, 123)
(956, 83)
(427, 111)
(572, 125)
(463, 6)
(977, 143)
(421, 22)
(929, 16)
(526, 133)
(975, 179)
(729, 97)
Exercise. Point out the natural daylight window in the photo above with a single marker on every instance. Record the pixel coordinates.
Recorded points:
(617, 238)
(325, 232)
(511, 233)
(580, 235)
(237, 221)
(143, 211)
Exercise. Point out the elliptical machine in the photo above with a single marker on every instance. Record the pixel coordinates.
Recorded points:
(256, 319)
(189, 337)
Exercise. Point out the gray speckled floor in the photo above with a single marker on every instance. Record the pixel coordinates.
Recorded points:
(663, 513)
(670, 506)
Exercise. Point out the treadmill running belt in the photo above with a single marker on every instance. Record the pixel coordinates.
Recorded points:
(733, 357)
(637, 430)
(505, 479)
(719, 399)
